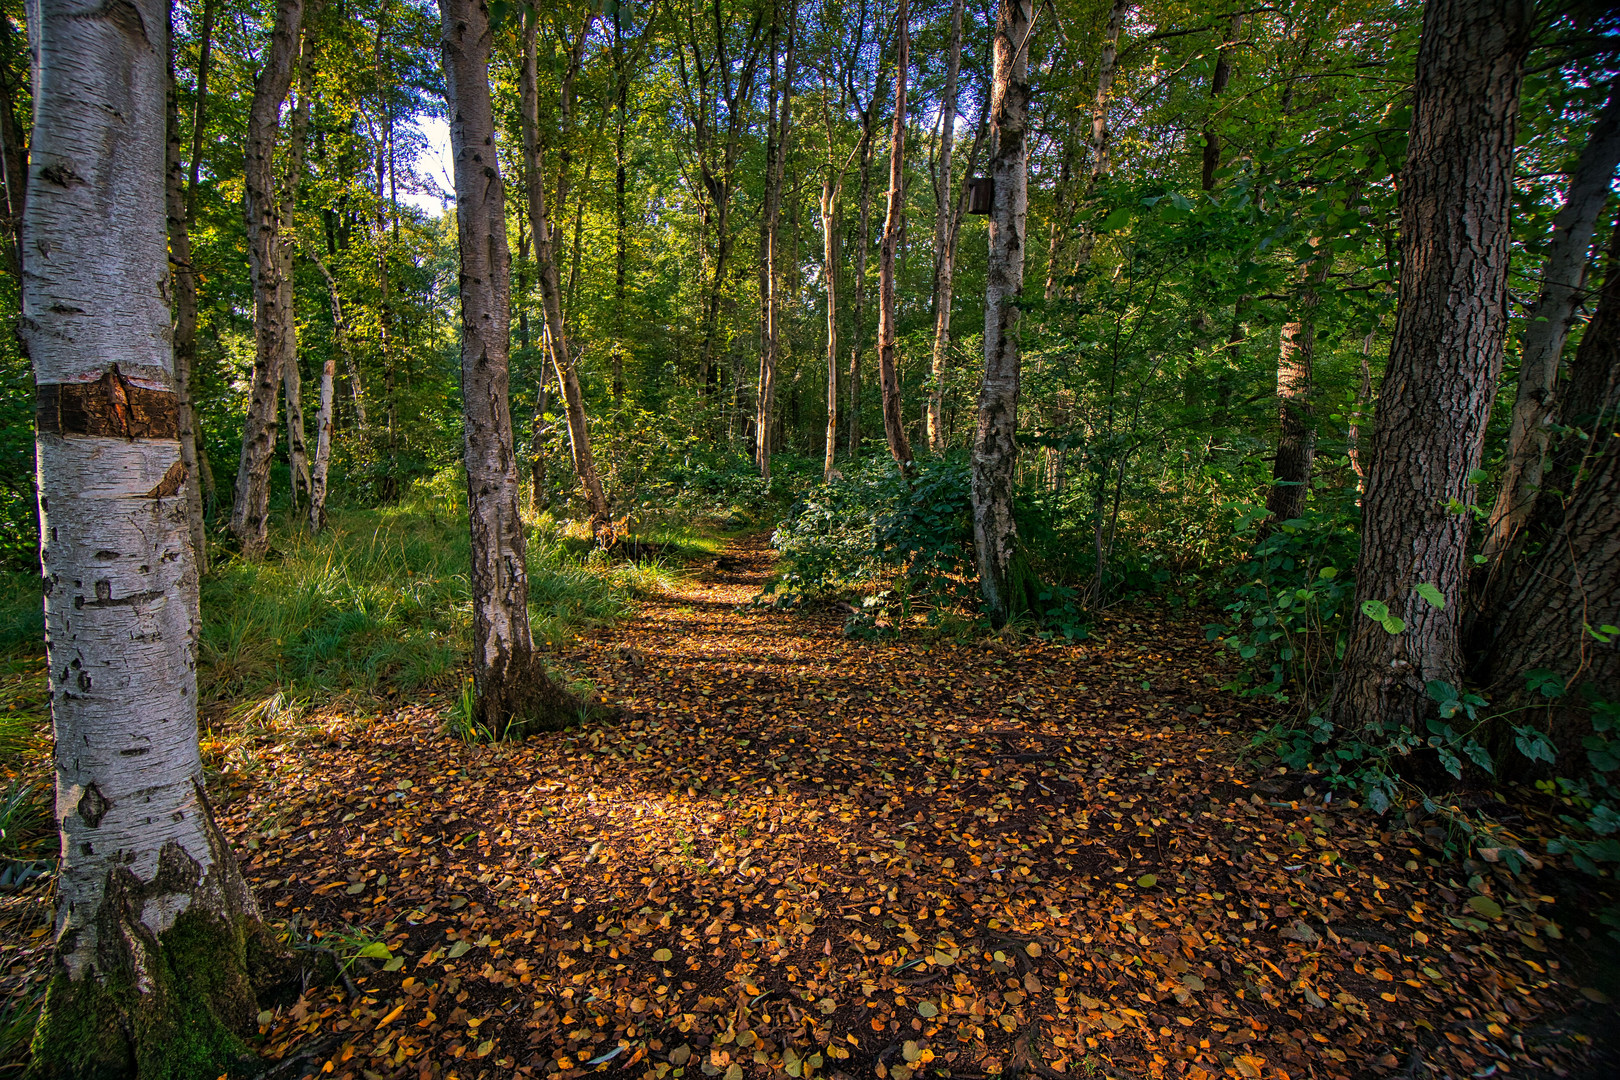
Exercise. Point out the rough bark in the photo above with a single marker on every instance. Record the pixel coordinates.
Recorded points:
(1548, 327)
(1296, 420)
(621, 230)
(1564, 581)
(153, 918)
(893, 221)
(513, 692)
(995, 447)
(183, 288)
(540, 227)
(250, 513)
(1444, 360)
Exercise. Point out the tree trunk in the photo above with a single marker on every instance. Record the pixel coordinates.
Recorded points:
(945, 223)
(551, 299)
(1444, 360)
(1569, 585)
(1107, 64)
(183, 282)
(781, 126)
(863, 241)
(995, 447)
(13, 157)
(1548, 328)
(250, 514)
(514, 694)
(154, 922)
(620, 226)
(1217, 86)
(323, 418)
(893, 220)
(291, 375)
(1296, 420)
(829, 271)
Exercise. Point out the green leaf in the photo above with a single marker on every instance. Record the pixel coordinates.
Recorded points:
(927, 1010)
(460, 948)
(1328, 572)
(1431, 594)
(1117, 220)
(1147, 881)
(662, 955)
(1485, 906)
(1376, 610)
(376, 951)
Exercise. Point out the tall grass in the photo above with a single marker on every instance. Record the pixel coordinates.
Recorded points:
(379, 602)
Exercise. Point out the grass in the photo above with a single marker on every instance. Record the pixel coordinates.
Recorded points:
(377, 605)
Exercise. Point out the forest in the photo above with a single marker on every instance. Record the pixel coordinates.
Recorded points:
(809, 538)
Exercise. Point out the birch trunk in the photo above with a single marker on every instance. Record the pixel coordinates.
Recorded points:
(323, 417)
(540, 227)
(514, 695)
(183, 282)
(995, 447)
(1444, 360)
(250, 514)
(292, 376)
(1549, 323)
(153, 921)
(893, 221)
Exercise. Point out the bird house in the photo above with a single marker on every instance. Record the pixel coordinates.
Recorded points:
(981, 193)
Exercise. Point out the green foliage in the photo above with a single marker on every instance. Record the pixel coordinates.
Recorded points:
(1287, 616)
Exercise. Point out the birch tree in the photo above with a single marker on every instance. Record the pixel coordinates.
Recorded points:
(154, 921)
(995, 447)
(513, 692)
(779, 130)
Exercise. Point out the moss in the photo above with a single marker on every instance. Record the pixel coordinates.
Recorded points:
(188, 1026)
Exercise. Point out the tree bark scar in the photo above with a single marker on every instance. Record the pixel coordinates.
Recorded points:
(93, 806)
(111, 407)
(173, 480)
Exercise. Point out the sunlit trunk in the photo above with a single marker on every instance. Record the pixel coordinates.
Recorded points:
(893, 221)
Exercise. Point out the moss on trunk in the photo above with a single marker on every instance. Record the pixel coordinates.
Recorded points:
(178, 1013)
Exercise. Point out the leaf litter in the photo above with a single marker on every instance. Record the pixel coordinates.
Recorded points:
(797, 854)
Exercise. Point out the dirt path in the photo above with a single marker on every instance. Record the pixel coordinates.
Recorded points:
(805, 854)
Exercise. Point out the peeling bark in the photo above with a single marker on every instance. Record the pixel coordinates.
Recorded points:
(513, 691)
(1444, 360)
(995, 447)
(153, 917)
(1296, 420)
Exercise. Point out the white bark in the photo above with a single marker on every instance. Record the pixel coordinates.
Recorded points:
(120, 582)
(995, 448)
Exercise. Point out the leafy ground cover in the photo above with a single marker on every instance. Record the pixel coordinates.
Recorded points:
(797, 853)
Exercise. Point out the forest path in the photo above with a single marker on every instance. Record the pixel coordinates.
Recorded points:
(797, 852)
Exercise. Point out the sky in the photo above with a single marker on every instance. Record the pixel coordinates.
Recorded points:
(434, 165)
